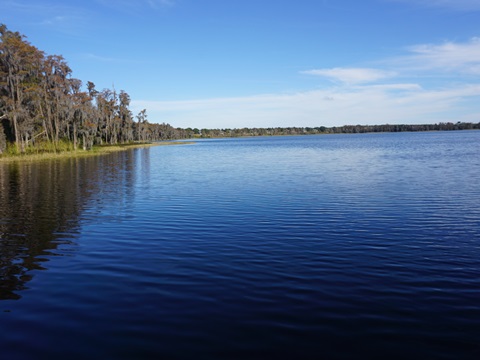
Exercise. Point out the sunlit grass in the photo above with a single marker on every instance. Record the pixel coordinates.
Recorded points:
(48, 151)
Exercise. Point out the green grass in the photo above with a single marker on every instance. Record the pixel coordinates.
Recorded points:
(65, 149)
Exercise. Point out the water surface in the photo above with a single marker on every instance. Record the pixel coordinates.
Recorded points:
(328, 246)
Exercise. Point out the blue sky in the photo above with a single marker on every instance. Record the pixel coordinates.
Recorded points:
(266, 63)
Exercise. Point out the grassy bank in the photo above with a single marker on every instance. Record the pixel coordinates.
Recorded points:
(95, 151)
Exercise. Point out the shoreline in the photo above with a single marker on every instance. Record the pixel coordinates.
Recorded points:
(80, 153)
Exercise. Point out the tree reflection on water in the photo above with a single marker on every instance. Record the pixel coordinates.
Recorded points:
(40, 209)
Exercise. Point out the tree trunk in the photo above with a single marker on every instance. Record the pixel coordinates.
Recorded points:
(74, 135)
(17, 132)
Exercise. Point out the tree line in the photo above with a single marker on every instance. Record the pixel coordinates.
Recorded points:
(42, 106)
(346, 129)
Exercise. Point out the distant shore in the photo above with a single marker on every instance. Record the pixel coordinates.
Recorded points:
(95, 151)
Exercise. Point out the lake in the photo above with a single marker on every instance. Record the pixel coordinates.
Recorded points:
(306, 247)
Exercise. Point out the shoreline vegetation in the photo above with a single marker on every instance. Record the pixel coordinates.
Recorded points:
(80, 153)
(345, 129)
(46, 113)
(67, 151)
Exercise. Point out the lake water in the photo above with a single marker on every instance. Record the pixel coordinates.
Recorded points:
(333, 246)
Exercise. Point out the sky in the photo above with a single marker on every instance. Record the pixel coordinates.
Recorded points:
(269, 63)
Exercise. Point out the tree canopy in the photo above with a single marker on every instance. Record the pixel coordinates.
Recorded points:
(41, 103)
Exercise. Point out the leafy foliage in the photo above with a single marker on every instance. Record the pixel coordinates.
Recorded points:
(44, 108)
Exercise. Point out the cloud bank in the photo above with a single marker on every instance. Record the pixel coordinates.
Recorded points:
(357, 96)
(396, 103)
(352, 75)
(449, 56)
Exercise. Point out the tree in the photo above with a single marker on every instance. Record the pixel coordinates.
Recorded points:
(20, 76)
(41, 103)
(57, 100)
(142, 124)
(125, 116)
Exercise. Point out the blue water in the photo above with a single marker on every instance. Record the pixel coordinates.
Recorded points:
(332, 246)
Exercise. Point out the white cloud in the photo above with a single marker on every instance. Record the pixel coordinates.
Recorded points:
(352, 75)
(397, 87)
(449, 56)
(61, 21)
(105, 59)
(364, 95)
(457, 5)
(395, 103)
(70, 19)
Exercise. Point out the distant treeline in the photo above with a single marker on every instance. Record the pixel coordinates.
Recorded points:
(347, 129)
(43, 108)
